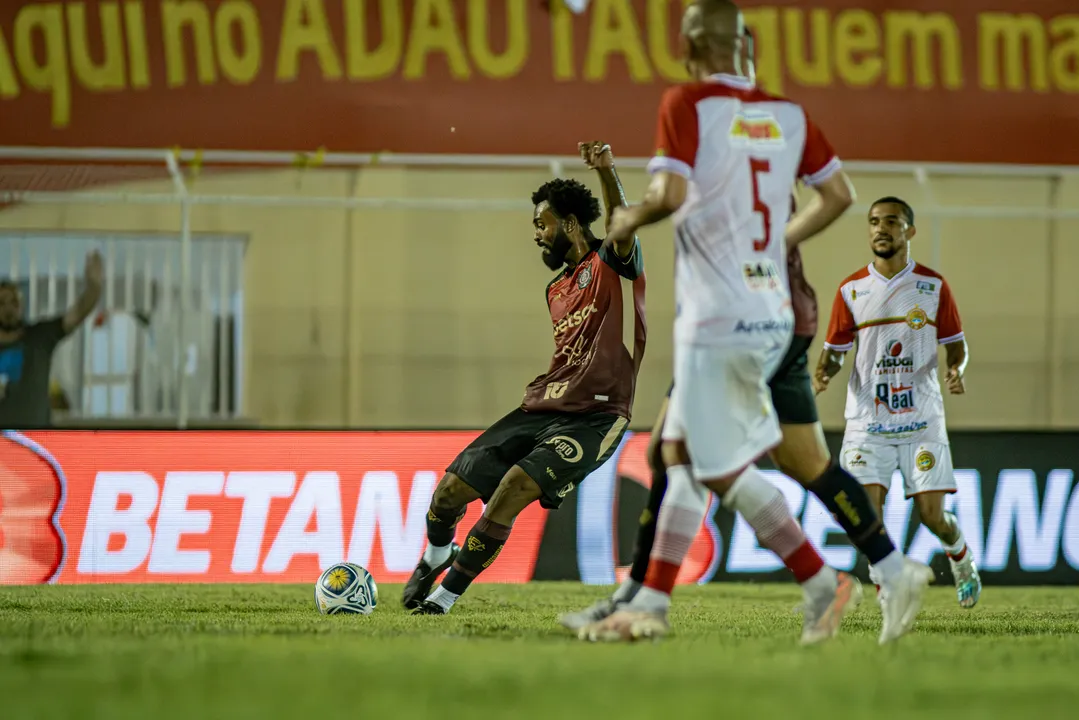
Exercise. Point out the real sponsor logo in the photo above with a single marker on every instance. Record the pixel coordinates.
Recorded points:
(925, 287)
(756, 128)
(893, 360)
(855, 459)
(896, 399)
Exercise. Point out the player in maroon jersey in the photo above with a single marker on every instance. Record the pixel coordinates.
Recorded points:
(573, 416)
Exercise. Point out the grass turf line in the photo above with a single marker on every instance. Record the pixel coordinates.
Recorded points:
(263, 651)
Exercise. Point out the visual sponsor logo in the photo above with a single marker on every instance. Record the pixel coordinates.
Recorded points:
(893, 360)
(855, 459)
(925, 287)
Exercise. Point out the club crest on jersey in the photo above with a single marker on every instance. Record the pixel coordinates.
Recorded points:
(925, 461)
(756, 128)
(762, 275)
(917, 319)
(584, 277)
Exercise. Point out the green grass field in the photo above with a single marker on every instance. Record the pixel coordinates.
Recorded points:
(264, 652)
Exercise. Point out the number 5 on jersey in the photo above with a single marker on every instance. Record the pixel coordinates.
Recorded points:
(758, 166)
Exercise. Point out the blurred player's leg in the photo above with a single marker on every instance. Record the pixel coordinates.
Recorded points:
(710, 378)
(901, 594)
(646, 535)
(930, 476)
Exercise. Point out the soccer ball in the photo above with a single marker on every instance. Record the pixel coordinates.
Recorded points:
(346, 588)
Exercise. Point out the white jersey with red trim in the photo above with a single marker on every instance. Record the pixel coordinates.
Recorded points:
(894, 392)
(742, 151)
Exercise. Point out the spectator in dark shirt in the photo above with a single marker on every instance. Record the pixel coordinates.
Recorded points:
(26, 350)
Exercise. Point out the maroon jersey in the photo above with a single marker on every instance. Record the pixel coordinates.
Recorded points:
(597, 310)
(803, 298)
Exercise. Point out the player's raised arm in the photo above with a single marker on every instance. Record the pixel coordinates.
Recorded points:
(839, 341)
(822, 171)
(597, 155)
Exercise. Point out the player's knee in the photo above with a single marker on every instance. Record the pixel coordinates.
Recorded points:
(803, 454)
(516, 491)
(452, 493)
(674, 453)
(931, 512)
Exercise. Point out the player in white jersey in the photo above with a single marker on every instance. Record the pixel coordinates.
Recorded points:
(899, 312)
(726, 161)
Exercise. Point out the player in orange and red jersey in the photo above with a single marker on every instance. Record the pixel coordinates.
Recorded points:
(573, 416)
(900, 312)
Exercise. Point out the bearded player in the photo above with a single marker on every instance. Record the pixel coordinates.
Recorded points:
(899, 311)
(573, 416)
(726, 162)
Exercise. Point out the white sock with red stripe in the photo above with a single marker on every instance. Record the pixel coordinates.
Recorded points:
(684, 506)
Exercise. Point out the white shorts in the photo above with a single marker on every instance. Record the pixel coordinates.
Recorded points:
(925, 466)
(721, 406)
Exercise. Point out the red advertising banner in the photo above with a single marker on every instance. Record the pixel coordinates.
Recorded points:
(923, 80)
(79, 507)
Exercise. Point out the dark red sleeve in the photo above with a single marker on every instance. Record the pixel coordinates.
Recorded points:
(819, 160)
(841, 325)
(677, 134)
(949, 326)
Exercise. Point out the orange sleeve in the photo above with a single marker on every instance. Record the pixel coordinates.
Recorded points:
(841, 326)
(949, 326)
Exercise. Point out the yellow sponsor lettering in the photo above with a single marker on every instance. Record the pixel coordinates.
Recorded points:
(667, 64)
(614, 31)
(365, 63)
(176, 16)
(573, 319)
(562, 41)
(1014, 32)
(810, 66)
(919, 31)
(110, 74)
(9, 83)
(435, 30)
(304, 29)
(138, 62)
(512, 59)
(857, 48)
(44, 21)
(241, 64)
(764, 21)
(1064, 57)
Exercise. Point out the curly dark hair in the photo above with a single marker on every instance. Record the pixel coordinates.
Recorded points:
(569, 197)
